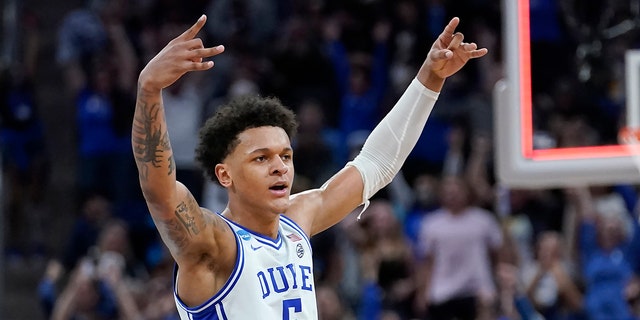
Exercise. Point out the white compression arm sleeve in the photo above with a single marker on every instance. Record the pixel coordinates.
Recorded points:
(390, 143)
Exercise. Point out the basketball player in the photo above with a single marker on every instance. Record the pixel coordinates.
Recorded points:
(253, 260)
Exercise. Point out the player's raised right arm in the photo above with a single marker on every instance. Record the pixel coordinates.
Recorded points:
(166, 198)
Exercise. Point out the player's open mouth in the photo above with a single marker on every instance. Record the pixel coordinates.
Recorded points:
(278, 187)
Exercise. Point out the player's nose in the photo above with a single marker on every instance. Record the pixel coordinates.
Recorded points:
(279, 167)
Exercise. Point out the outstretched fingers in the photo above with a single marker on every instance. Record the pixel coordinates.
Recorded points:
(194, 29)
(197, 55)
(451, 27)
(205, 52)
(448, 54)
(447, 36)
(199, 66)
(478, 53)
(441, 54)
(469, 46)
(472, 50)
(456, 40)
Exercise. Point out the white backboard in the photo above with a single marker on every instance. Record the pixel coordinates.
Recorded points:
(518, 164)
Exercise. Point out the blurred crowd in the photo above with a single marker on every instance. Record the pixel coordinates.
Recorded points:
(443, 241)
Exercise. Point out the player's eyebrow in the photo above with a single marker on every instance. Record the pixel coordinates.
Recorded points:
(267, 150)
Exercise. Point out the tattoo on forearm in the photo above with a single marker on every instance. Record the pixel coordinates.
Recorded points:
(164, 142)
(149, 139)
(185, 213)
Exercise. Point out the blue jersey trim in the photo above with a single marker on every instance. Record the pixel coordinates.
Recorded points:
(220, 314)
(296, 227)
(276, 244)
(226, 288)
(270, 243)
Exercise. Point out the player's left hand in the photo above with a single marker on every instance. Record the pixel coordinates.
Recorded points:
(449, 53)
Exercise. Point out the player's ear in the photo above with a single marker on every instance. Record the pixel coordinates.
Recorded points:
(223, 175)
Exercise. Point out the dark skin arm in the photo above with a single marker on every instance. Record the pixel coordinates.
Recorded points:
(316, 210)
(200, 242)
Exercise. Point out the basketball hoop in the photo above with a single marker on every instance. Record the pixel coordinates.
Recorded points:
(630, 137)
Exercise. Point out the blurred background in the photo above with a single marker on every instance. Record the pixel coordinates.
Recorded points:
(444, 240)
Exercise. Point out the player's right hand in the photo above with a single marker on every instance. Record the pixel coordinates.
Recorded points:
(182, 54)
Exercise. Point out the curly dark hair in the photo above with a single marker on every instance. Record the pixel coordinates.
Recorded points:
(219, 135)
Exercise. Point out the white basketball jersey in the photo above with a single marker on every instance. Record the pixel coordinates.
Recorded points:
(272, 279)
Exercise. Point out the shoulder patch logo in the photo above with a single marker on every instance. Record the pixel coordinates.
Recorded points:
(299, 250)
(294, 237)
(244, 235)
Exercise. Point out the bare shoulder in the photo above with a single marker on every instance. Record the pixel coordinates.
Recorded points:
(318, 209)
(303, 208)
(196, 236)
(214, 219)
(210, 259)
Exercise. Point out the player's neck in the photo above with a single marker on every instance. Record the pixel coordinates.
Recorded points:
(264, 223)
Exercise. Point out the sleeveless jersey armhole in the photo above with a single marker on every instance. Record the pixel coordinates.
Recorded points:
(226, 288)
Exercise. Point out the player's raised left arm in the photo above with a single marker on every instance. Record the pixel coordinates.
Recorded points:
(389, 144)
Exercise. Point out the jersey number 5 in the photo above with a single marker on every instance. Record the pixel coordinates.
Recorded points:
(295, 304)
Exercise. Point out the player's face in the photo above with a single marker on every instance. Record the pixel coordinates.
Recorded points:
(261, 169)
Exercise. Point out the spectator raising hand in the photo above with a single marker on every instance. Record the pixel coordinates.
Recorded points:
(608, 254)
